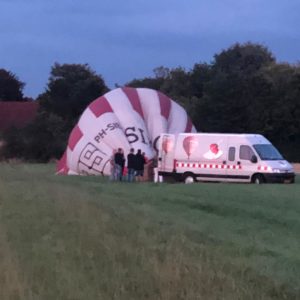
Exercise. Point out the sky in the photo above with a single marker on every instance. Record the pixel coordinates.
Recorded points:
(126, 39)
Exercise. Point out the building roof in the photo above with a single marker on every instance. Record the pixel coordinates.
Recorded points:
(16, 114)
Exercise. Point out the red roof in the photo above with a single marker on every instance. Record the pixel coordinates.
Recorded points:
(16, 114)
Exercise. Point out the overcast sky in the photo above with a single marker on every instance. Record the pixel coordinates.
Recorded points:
(127, 39)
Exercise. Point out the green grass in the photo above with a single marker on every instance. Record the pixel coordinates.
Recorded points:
(87, 238)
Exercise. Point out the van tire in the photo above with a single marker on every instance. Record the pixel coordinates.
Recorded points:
(258, 179)
(189, 178)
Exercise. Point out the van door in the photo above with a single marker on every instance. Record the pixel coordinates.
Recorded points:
(166, 153)
(239, 165)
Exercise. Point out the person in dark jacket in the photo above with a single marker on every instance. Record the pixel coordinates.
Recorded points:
(131, 165)
(119, 161)
(139, 165)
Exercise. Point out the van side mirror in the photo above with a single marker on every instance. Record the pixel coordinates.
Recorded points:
(253, 159)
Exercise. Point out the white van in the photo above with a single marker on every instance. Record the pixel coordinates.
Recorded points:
(191, 157)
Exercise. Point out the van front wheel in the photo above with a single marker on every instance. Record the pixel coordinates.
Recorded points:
(258, 179)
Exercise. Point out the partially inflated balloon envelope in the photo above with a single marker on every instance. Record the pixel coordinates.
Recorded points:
(122, 118)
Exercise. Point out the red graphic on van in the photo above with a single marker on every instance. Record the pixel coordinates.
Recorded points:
(190, 143)
(214, 148)
(167, 144)
(214, 152)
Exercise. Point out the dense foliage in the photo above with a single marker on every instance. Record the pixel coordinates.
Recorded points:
(243, 89)
(40, 141)
(11, 88)
(71, 87)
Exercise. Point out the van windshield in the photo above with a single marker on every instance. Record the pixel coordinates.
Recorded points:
(267, 152)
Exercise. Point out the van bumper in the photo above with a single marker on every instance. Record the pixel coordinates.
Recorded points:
(280, 177)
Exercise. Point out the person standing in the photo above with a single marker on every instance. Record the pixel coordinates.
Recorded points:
(119, 161)
(122, 165)
(112, 176)
(139, 165)
(147, 168)
(131, 165)
(145, 157)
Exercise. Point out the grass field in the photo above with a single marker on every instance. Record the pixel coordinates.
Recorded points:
(86, 238)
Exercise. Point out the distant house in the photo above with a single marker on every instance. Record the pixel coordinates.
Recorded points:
(16, 114)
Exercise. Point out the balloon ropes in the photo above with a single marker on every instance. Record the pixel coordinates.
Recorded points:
(122, 118)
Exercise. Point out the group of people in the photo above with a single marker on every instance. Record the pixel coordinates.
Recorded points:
(133, 171)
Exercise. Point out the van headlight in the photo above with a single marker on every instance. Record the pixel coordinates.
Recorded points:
(276, 170)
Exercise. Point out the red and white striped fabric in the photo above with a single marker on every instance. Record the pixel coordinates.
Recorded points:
(122, 118)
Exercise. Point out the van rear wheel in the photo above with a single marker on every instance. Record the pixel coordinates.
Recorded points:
(258, 179)
(189, 178)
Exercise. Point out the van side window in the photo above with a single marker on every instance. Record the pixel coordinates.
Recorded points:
(231, 154)
(246, 152)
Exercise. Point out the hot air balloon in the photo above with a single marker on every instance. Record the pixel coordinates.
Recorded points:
(122, 118)
(190, 143)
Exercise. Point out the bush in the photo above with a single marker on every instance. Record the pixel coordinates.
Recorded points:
(41, 140)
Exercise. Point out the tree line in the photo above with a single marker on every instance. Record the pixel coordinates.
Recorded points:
(242, 90)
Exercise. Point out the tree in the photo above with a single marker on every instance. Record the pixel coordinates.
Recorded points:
(71, 87)
(147, 82)
(199, 76)
(177, 83)
(161, 74)
(281, 110)
(236, 87)
(41, 140)
(246, 58)
(11, 88)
